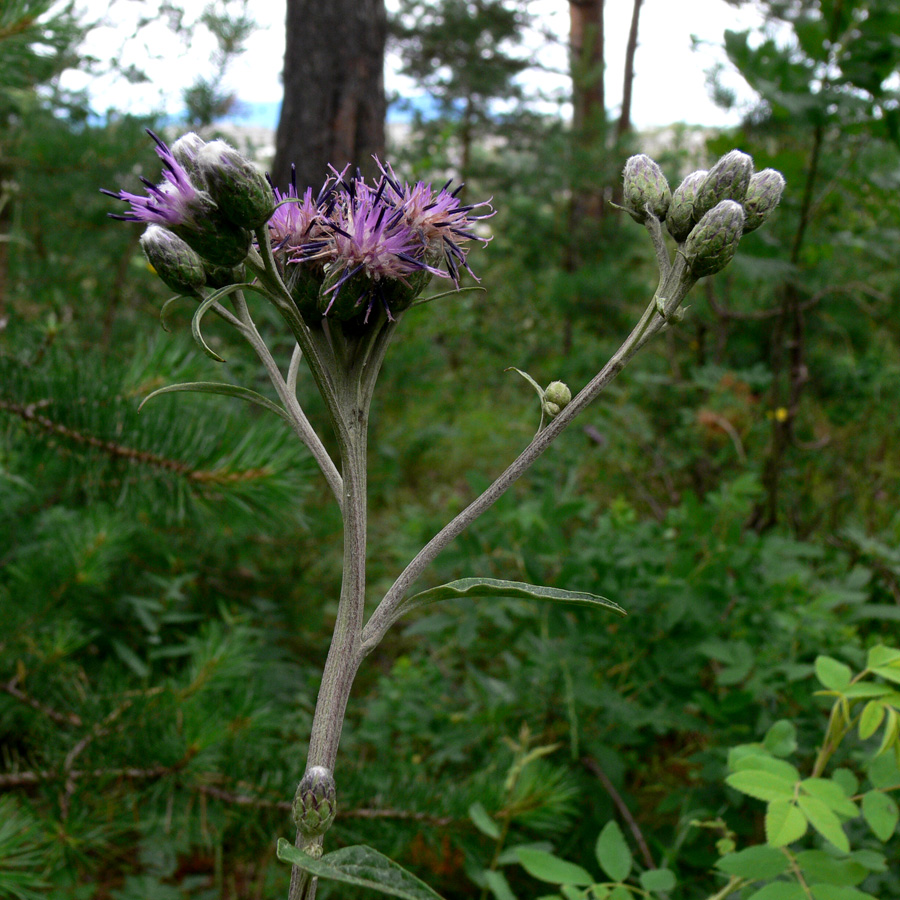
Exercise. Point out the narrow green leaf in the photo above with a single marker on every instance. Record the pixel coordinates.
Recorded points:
(870, 719)
(833, 674)
(824, 821)
(483, 822)
(838, 892)
(891, 731)
(779, 890)
(831, 794)
(620, 892)
(495, 587)
(890, 673)
(657, 880)
(881, 814)
(498, 885)
(195, 325)
(784, 823)
(510, 855)
(613, 853)
(754, 863)
(130, 658)
(361, 866)
(862, 690)
(880, 655)
(819, 866)
(763, 763)
(215, 387)
(547, 867)
(762, 785)
(781, 738)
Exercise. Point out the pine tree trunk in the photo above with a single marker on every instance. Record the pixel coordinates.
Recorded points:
(587, 64)
(334, 101)
(624, 125)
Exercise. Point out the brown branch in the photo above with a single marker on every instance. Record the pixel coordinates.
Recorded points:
(119, 451)
(60, 718)
(594, 768)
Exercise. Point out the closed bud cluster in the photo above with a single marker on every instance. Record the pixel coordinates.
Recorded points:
(183, 203)
(315, 803)
(728, 179)
(680, 217)
(178, 266)
(645, 189)
(712, 243)
(556, 397)
(239, 189)
(763, 195)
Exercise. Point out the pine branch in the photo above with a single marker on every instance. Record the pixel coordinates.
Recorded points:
(120, 451)
(60, 718)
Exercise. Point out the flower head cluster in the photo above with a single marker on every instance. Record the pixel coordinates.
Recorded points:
(709, 211)
(363, 245)
(210, 199)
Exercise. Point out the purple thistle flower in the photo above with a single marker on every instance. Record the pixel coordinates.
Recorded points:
(171, 203)
(300, 224)
(370, 240)
(444, 223)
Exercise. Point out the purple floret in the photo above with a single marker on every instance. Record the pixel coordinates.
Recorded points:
(167, 203)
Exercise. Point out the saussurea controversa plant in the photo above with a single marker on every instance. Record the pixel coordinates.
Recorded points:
(342, 267)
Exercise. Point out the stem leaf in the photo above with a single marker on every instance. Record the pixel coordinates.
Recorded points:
(361, 866)
(496, 587)
(214, 387)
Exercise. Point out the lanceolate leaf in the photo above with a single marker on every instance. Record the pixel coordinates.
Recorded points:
(361, 866)
(214, 387)
(495, 587)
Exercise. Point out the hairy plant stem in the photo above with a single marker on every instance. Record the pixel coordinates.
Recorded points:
(386, 612)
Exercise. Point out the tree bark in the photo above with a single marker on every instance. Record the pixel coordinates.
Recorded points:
(624, 125)
(334, 101)
(587, 63)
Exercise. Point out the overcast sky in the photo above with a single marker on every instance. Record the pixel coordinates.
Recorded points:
(669, 84)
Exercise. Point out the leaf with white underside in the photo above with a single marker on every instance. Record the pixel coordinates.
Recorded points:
(215, 387)
(496, 587)
(361, 866)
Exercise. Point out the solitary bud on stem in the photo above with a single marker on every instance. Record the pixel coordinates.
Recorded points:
(727, 180)
(680, 217)
(645, 191)
(239, 189)
(712, 243)
(315, 803)
(179, 267)
(763, 195)
(557, 392)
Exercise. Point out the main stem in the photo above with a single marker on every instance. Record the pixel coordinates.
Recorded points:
(345, 653)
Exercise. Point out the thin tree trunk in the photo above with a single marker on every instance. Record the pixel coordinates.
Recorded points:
(588, 125)
(334, 102)
(624, 125)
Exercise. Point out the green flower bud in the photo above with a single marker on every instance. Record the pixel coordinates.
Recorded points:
(218, 240)
(645, 191)
(763, 195)
(712, 243)
(315, 803)
(550, 410)
(558, 394)
(680, 217)
(726, 180)
(239, 189)
(179, 267)
(185, 150)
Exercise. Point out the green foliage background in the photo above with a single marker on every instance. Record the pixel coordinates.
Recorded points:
(169, 578)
